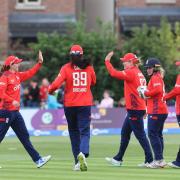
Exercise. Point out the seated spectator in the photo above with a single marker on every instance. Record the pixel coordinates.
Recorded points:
(96, 103)
(107, 101)
(33, 94)
(52, 102)
(25, 97)
(60, 95)
(21, 96)
(121, 102)
(43, 93)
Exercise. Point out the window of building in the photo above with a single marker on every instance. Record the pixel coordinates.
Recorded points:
(29, 4)
(161, 1)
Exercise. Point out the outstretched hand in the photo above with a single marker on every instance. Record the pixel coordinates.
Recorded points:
(40, 57)
(109, 55)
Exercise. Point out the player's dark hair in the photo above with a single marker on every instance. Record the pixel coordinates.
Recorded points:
(3, 69)
(81, 62)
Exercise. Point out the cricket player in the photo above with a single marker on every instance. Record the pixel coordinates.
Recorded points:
(10, 116)
(175, 93)
(79, 76)
(156, 109)
(135, 105)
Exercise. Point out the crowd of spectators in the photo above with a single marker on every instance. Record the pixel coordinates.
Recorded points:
(35, 95)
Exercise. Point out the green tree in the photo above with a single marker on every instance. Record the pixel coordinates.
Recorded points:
(96, 45)
(162, 43)
(177, 40)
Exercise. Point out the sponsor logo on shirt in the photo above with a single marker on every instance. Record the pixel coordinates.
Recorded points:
(17, 87)
(156, 84)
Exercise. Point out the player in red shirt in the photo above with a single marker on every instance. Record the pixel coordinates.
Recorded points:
(78, 76)
(136, 108)
(175, 93)
(156, 109)
(10, 103)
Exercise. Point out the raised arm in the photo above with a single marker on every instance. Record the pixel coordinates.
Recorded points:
(57, 82)
(31, 72)
(175, 91)
(122, 75)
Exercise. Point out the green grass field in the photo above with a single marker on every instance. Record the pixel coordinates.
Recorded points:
(17, 165)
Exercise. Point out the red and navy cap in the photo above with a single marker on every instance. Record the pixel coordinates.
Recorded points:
(178, 63)
(130, 57)
(76, 50)
(12, 60)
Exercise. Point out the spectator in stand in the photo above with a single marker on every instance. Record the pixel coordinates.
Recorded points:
(60, 95)
(21, 96)
(25, 96)
(52, 102)
(107, 101)
(122, 102)
(33, 94)
(43, 92)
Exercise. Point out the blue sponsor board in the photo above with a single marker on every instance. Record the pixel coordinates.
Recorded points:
(103, 122)
(94, 132)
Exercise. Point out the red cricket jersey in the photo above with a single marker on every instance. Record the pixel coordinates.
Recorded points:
(43, 92)
(175, 92)
(10, 86)
(133, 78)
(155, 93)
(77, 85)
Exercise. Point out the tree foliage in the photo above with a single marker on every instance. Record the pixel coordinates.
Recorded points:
(96, 44)
(161, 42)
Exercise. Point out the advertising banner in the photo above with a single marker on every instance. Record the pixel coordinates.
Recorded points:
(103, 121)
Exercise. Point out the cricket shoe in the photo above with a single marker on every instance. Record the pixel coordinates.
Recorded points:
(174, 164)
(42, 161)
(161, 163)
(157, 164)
(143, 164)
(76, 167)
(82, 162)
(152, 165)
(113, 162)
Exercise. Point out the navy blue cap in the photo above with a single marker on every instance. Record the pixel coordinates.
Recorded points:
(152, 62)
